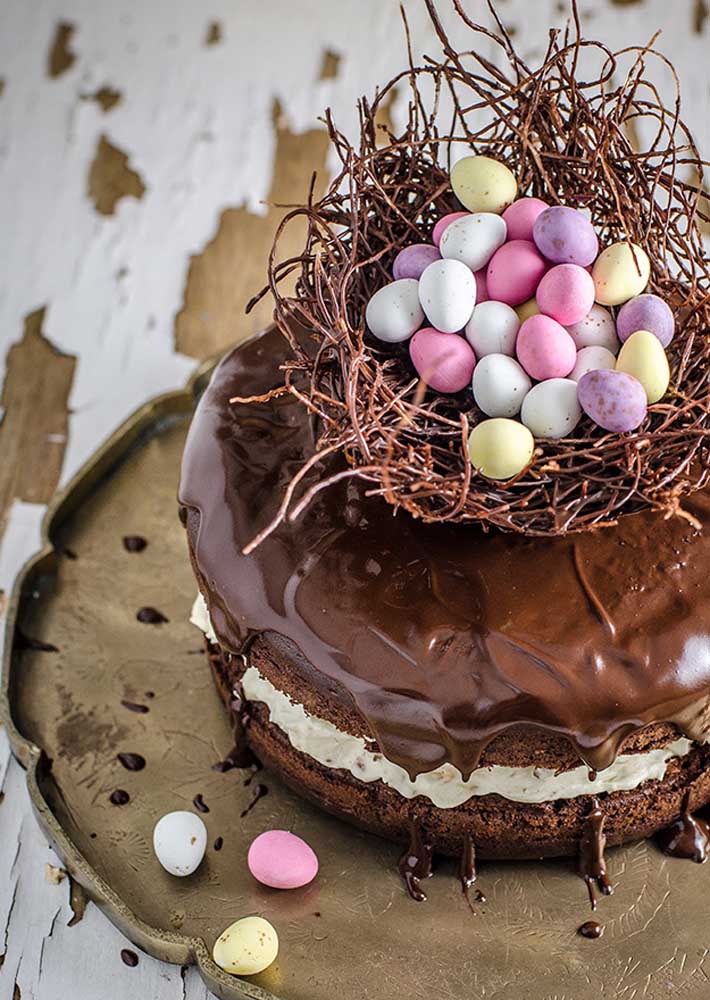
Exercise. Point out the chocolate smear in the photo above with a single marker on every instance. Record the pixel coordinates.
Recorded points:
(151, 616)
(23, 641)
(200, 804)
(688, 837)
(133, 706)
(260, 792)
(591, 865)
(218, 843)
(120, 797)
(131, 761)
(129, 958)
(134, 543)
(416, 862)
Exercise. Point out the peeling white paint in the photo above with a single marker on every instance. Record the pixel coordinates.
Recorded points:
(195, 122)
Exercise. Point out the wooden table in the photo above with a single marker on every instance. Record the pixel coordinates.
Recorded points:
(142, 148)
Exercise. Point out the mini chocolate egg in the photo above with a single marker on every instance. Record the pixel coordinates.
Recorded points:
(646, 312)
(441, 225)
(620, 273)
(614, 400)
(597, 329)
(246, 947)
(481, 286)
(473, 239)
(566, 293)
(592, 359)
(643, 357)
(520, 217)
(282, 860)
(394, 312)
(500, 385)
(447, 294)
(527, 309)
(500, 448)
(551, 408)
(492, 329)
(482, 184)
(545, 349)
(411, 261)
(565, 236)
(514, 272)
(179, 842)
(445, 361)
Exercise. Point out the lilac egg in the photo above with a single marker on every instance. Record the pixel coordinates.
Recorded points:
(411, 261)
(565, 236)
(445, 361)
(646, 312)
(614, 400)
(520, 217)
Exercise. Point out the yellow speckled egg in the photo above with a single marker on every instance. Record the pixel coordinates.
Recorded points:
(528, 309)
(642, 356)
(247, 946)
(483, 185)
(620, 272)
(500, 448)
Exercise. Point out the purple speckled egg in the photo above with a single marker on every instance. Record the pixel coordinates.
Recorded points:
(646, 312)
(520, 217)
(445, 361)
(614, 400)
(514, 272)
(443, 222)
(412, 260)
(566, 293)
(545, 349)
(565, 236)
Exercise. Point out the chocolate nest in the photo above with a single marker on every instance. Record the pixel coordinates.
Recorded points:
(605, 142)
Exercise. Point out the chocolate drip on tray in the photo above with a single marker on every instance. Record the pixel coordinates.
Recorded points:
(688, 837)
(416, 862)
(591, 865)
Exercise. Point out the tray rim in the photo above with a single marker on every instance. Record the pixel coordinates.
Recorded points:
(167, 946)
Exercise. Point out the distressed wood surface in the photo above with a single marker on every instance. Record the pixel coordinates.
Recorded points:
(144, 148)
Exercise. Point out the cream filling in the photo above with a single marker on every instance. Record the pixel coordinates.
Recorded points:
(445, 786)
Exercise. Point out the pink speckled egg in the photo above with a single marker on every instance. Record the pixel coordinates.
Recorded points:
(481, 286)
(566, 293)
(282, 860)
(445, 361)
(520, 217)
(565, 236)
(514, 272)
(443, 222)
(614, 400)
(412, 261)
(545, 349)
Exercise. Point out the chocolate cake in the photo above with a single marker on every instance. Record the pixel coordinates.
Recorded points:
(520, 693)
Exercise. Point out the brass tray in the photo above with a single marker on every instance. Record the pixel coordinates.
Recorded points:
(353, 933)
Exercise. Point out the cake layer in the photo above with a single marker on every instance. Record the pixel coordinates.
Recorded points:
(499, 827)
(440, 640)
(444, 787)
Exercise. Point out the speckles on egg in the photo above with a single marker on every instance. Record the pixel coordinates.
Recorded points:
(246, 947)
(179, 842)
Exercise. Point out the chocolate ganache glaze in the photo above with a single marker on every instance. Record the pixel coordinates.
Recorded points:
(443, 636)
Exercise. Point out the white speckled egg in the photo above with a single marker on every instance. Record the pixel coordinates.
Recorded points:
(394, 312)
(620, 272)
(482, 184)
(551, 408)
(473, 239)
(500, 385)
(246, 947)
(492, 329)
(500, 448)
(642, 356)
(447, 293)
(592, 359)
(597, 329)
(179, 842)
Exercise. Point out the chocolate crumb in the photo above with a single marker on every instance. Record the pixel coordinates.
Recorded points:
(119, 797)
(218, 843)
(134, 543)
(131, 761)
(129, 958)
(150, 694)
(70, 553)
(150, 616)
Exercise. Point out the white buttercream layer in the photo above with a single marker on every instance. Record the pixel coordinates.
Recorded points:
(445, 786)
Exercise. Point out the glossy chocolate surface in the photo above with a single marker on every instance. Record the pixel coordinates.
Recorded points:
(444, 636)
